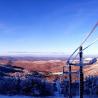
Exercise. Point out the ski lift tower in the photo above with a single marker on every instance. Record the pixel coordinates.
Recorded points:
(81, 74)
(81, 63)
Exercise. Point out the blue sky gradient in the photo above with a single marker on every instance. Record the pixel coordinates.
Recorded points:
(46, 25)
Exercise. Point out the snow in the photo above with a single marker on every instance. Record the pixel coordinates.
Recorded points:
(1, 96)
(44, 97)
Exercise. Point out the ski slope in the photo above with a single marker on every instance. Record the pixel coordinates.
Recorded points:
(44, 97)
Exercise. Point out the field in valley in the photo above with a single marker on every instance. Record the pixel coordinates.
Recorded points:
(46, 66)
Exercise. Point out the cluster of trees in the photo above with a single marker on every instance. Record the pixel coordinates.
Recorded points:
(28, 85)
(65, 88)
(90, 87)
(36, 85)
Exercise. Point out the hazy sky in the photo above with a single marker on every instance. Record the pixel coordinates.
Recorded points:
(46, 25)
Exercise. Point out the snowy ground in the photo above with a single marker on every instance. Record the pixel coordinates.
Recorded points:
(44, 97)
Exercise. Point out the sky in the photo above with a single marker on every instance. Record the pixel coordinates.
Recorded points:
(47, 26)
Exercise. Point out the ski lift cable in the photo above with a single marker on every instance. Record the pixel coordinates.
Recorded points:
(89, 34)
(85, 48)
(73, 54)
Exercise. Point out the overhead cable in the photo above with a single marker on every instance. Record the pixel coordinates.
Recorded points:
(89, 34)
